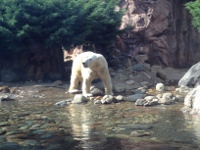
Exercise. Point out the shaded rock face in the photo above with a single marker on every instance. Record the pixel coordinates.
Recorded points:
(161, 30)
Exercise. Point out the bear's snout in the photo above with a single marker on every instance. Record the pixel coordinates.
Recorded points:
(84, 64)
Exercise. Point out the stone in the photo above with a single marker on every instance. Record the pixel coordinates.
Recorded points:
(192, 101)
(191, 77)
(160, 87)
(134, 97)
(107, 99)
(63, 103)
(58, 83)
(130, 82)
(97, 102)
(79, 98)
(140, 102)
(139, 67)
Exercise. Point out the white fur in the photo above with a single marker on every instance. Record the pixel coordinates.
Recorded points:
(86, 67)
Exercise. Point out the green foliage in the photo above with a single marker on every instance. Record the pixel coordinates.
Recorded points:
(57, 22)
(194, 9)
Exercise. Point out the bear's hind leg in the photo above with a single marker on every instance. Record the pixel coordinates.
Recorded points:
(108, 85)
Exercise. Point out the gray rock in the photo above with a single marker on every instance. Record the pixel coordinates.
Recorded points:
(79, 98)
(191, 77)
(121, 98)
(140, 90)
(7, 97)
(139, 67)
(63, 103)
(97, 102)
(140, 102)
(192, 101)
(150, 98)
(134, 97)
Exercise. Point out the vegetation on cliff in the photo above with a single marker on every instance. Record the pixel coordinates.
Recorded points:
(194, 9)
(52, 23)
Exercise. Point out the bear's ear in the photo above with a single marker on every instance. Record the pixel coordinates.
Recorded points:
(98, 56)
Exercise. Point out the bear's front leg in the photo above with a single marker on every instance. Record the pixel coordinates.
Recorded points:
(73, 88)
(86, 88)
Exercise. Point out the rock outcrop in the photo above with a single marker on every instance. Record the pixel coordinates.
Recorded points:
(191, 77)
(160, 31)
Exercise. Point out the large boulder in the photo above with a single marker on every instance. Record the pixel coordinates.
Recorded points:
(191, 77)
(192, 101)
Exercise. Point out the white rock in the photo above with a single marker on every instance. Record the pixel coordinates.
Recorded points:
(160, 87)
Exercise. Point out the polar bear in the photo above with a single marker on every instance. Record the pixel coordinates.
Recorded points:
(86, 67)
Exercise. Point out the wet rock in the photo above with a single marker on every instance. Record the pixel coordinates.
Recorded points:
(160, 87)
(97, 102)
(63, 103)
(140, 90)
(58, 83)
(139, 67)
(192, 101)
(96, 91)
(134, 97)
(121, 98)
(130, 82)
(79, 98)
(138, 126)
(166, 98)
(140, 102)
(183, 89)
(4, 89)
(107, 99)
(7, 97)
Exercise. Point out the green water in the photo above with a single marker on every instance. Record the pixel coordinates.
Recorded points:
(40, 125)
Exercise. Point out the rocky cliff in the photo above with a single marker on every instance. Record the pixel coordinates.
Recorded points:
(160, 31)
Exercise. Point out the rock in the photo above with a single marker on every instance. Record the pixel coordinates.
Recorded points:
(150, 98)
(96, 91)
(4, 89)
(140, 90)
(120, 98)
(107, 99)
(191, 77)
(97, 102)
(130, 82)
(63, 103)
(167, 96)
(134, 97)
(140, 102)
(7, 97)
(164, 101)
(160, 87)
(139, 67)
(79, 98)
(58, 83)
(192, 101)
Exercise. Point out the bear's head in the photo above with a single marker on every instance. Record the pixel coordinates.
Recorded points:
(90, 61)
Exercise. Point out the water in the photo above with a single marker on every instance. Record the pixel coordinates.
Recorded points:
(39, 124)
